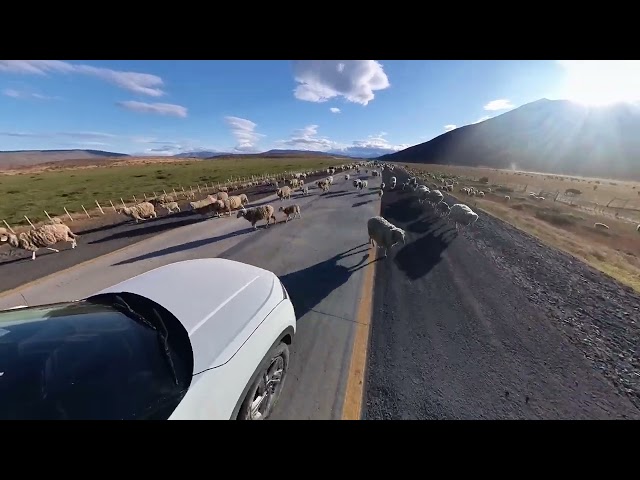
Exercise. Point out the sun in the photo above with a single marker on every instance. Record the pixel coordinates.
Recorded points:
(601, 82)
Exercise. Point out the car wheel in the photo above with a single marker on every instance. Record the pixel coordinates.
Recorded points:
(265, 390)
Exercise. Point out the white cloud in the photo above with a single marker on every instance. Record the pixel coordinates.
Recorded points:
(354, 80)
(141, 83)
(500, 104)
(600, 82)
(13, 93)
(448, 128)
(244, 131)
(307, 138)
(334, 110)
(157, 108)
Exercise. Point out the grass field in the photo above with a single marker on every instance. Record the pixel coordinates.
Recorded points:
(615, 251)
(30, 193)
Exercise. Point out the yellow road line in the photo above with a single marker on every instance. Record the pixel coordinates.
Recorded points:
(354, 395)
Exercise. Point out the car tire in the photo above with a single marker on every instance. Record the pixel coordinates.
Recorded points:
(266, 388)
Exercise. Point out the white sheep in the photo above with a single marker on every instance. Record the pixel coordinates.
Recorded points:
(171, 206)
(255, 214)
(601, 226)
(384, 234)
(291, 210)
(507, 198)
(382, 185)
(380, 193)
(393, 182)
(305, 190)
(141, 211)
(462, 214)
(43, 236)
(346, 177)
(356, 183)
(284, 192)
(234, 202)
(434, 197)
(638, 228)
(364, 184)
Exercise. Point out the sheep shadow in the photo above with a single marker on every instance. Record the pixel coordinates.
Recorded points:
(359, 204)
(416, 259)
(403, 210)
(309, 286)
(369, 193)
(184, 246)
(150, 228)
(337, 194)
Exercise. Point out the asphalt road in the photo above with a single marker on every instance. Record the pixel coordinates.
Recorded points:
(319, 258)
(490, 324)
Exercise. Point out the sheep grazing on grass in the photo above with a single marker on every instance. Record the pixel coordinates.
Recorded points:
(384, 234)
(255, 214)
(285, 192)
(291, 210)
(42, 237)
(601, 226)
(141, 211)
(171, 207)
(461, 214)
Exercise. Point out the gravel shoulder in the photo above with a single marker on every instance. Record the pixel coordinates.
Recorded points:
(491, 324)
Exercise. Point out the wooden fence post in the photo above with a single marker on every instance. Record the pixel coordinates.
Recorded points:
(50, 219)
(113, 206)
(68, 214)
(9, 227)
(29, 221)
(98, 204)
(85, 211)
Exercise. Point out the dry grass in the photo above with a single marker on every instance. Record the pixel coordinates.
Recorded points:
(615, 252)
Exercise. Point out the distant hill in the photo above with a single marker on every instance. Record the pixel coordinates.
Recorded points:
(28, 158)
(553, 136)
(20, 159)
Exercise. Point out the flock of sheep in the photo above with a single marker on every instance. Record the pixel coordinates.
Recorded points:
(219, 204)
(386, 235)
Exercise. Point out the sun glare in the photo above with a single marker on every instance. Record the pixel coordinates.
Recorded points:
(601, 82)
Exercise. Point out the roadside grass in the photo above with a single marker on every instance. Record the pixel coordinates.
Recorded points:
(31, 193)
(615, 252)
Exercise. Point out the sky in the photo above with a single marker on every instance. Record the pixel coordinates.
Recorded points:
(353, 107)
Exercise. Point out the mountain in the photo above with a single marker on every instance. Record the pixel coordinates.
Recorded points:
(201, 154)
(552, 136)
(27, 158)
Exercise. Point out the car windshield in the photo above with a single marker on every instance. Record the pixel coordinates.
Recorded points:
(84, 360)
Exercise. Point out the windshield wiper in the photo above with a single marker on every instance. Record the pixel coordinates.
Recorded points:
(162, 332)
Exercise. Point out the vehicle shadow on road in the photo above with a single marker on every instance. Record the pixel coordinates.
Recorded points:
(184, 246)
(417, 258)
(309, 286)
(403, 210)
(152, 227)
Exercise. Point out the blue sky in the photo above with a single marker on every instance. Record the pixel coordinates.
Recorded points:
(357, 107)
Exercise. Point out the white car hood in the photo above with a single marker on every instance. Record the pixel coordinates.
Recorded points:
(220, 302)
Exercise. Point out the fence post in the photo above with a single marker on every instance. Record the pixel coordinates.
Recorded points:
(98, 204)
(85, 211)
(164, 191)
(68, 214)
(145, 196)
(9, 227)
(113, 206)
(29, 221)
(174, 193)
(155, 195)
(198, 185)
(123, 204)
(47, 214)
(135, 200)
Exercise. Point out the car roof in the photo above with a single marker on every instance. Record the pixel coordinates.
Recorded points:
(220, 302)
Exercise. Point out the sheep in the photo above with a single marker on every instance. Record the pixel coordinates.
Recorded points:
(243, 199)
(141, 211)
(264, 212)
(601, 226)
(221, 196)
(461, 214)
(356, 183)
(42, 237)
(443, 209)
(234, 202)
(384, 234)
(382, 185)
(434, 197)
(291, 210)
(217, 206)
(305, 191)
(171, 206)
(364, 184)
(393, 182)
(380, 193)
(285, 192)
(346, 177)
